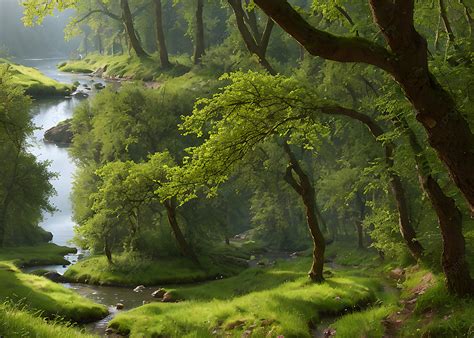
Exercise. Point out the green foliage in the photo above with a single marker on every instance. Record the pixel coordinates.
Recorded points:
(24, 181)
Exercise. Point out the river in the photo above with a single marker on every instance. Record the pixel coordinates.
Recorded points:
(46, 114)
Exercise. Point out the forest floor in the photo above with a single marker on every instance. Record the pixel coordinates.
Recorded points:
(358, 299)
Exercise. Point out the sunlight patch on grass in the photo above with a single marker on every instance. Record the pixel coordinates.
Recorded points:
(259, 299)
(49, 298)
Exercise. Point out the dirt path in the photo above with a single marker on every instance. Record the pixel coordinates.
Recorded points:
(394, 322)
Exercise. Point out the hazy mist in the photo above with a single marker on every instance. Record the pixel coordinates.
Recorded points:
(45, 41)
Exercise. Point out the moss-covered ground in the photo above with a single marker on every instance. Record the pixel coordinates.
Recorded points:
(126, 67)
(35, 83)
(43, 254)
(271, 301)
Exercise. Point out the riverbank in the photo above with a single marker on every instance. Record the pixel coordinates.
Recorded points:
(130, 270)
(125, 67)
(43, 254)
(35, 83)
(261, 301)
(38, 293)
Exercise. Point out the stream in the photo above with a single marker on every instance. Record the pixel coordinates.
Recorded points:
(46, 114)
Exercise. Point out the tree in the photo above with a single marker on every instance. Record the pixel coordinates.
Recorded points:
(407, 61)
(160, 35)
(199, 46)
(24, 181)
(247, 24)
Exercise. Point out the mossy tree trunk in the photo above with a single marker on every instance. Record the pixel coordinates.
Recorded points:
(455, 266)
(304, 188)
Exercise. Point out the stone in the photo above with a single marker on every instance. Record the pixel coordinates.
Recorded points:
(168, 298)
(158, 293)
(55, 277)
(119, 306)
(397, 274)
(109, 331)
(80, 94)
(61, 134)
(235, 324)
(267, 322)
(139, 288)
(99, 86)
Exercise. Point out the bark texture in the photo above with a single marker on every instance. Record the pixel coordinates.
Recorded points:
(455, 267)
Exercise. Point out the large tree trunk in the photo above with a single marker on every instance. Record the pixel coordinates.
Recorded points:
(185, 248)
(455, 267)
(160, 35)
(407, 61)
(199, 47)
(305, 189)
(130, 29)
(398, 191)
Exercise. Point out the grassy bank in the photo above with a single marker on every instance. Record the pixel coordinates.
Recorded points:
(49, 298)
(125, 67)
(44, 254)
(132, 270)
(16, 322)
(35, 83)
(279, 300)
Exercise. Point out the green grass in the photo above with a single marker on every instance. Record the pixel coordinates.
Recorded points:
(35, 83)
(437, 313)
(278, 301)
(43, 254)
(51, 299)
(125, 66)
(15, 322)
(367, 323)
(132, 270)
